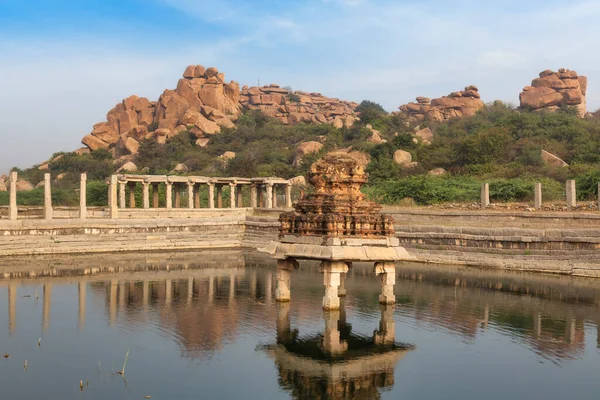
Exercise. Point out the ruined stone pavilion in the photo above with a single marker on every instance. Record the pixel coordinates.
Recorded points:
(337, 225)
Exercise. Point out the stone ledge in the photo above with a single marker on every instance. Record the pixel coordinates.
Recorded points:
(301, 251)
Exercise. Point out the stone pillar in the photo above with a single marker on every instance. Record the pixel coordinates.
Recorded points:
(570, 331)
(269, 195)
(274, 196)
(47, 306)
(168, 292)
(486, 316)
(12, 307)
(169, 195)
(331, 279)
(155, 200)
(121, 297)
(146, 195)
(332, 343)
(112, 197)
(131, 186)
(571, 193)
(232, 187)
(12, 208)
(231, 287)
(342, 287)
(288, 196)
(253, 196)
(83, 196)
(112, 302)
(537, 325)
(121, 194)
(82, 297)
(261, 197)
(196, 196)
(284, 275)
(211, 288)
(190, 203)
(387, 273)
(252, 282)
(145, 293)
(485, 195)
(47, 197)
(268, 287)
(240, 197)
(537, 196)
(386, 334)
(177, 188)
(211, 195)
(190, 294)
(283, 323)
(219, 196)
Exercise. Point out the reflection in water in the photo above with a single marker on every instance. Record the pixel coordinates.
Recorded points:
(217, 304)
(337, 364)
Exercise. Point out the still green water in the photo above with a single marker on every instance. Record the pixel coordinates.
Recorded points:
(206, 326)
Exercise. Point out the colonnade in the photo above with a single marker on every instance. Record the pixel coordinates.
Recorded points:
(263, 192)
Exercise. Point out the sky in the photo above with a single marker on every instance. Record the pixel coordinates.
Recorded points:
(65, 63)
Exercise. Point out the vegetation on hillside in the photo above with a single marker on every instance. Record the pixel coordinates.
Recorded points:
(500, 145)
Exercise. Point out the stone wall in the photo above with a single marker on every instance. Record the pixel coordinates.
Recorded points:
(553, 90)
(563, 243)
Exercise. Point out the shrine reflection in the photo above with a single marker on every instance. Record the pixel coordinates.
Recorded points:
(338, 363)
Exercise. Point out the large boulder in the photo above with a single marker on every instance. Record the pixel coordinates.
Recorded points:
(298, 181)
(551, 159)
(554, 89)
(128, 167)
(424, 135)
(306, 148)
(402, 157)
(180, 169)
(24, 186)
(3, 185)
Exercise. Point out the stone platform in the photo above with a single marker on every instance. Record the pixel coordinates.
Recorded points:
(337, 255)
(337, 249)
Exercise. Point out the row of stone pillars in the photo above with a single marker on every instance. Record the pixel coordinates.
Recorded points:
(261, 194)
(570, 195)
(334, 276)
(48, 208)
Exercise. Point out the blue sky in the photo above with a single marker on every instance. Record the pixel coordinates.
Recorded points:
(65, 63)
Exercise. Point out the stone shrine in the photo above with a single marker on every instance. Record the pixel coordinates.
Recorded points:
(337, 225)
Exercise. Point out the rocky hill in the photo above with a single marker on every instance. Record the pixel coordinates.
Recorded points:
(202, 104)
(555, 89)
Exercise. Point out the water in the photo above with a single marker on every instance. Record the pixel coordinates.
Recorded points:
(453, 334)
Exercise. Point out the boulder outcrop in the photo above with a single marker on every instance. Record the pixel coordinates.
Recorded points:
(555, 89)
(3, 187)
(457, 104)
(292, 108)
(202, 102)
